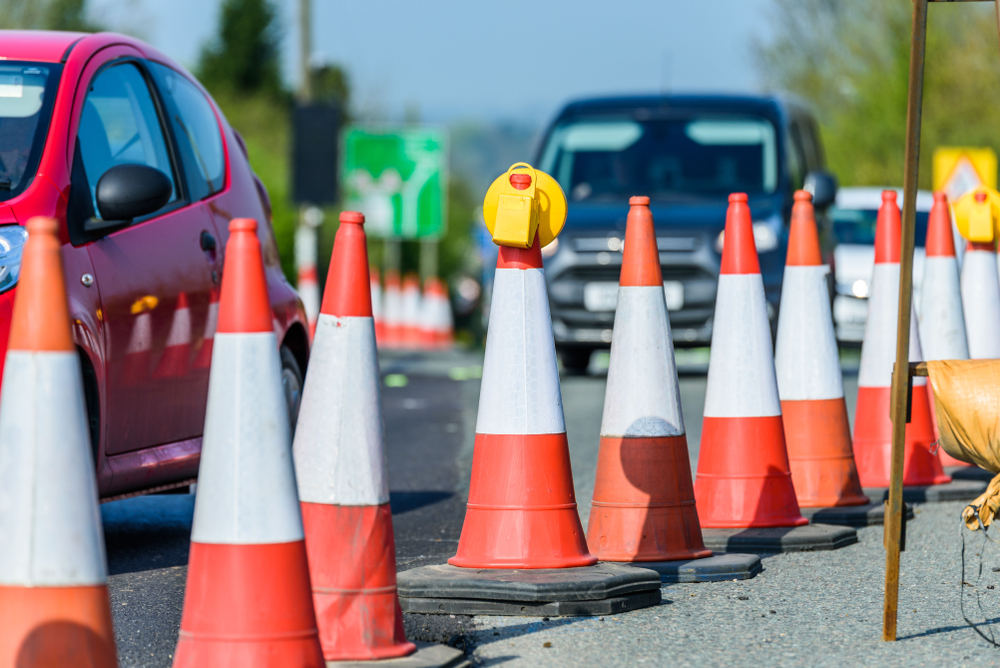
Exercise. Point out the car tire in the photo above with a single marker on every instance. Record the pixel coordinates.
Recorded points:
(575, 360)
(292, 383)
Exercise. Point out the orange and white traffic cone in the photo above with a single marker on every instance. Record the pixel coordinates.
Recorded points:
(393, 312)
(981, 300)
(376, 290)
(942, 323)
(340, 467)
(436, 324)
(138, 358)
(176, 358)
(810, 383)
(248, 600)
(54, 606)
(203, 360)
(411, 311)
(305, 264)
(743, 478)
(872, 426)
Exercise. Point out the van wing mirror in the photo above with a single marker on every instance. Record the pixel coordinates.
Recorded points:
(823, 187)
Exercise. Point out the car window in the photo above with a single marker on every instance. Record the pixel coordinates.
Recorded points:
(119, 125)
(196, 129)
(26, 92)
(857, 226)
(796, 159)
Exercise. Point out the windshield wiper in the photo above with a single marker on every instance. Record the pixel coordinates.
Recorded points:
(5, 184)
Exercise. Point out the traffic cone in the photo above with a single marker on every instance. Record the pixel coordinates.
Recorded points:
(393, 315)
(248, 599)
(411, 311)
(54, 606)
(743, 472)
(305, 264)
(138, 356)
(203, 360)
(942, 323)
(376, 290)
(436, 324)
(810, 384)
(981, 300)
(872, 426)
(340, 467)
(176, 358)
(643, 507)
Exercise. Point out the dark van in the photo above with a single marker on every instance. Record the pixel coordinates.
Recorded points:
(687, 153)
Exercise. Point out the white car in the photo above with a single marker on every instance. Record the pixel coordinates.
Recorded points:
(854, 215)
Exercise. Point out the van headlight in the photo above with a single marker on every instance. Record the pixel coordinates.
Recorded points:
(764, 236)
(12, 238)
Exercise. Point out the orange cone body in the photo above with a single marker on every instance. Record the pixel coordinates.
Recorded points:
(176, 358)
(376, 289)
(411, 312)
(54, 606)
(340, 468)
(203, 359)
(942, 323)
(810, 383)
(248, 600)
(743, 472)
(643, 507)
(522, 507)
(393, 313)
(872, 426)
(436, 328)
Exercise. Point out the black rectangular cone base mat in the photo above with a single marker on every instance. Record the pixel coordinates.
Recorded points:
(428, 655)
(535, 585)
(968, 473)
(467, 606)
(808, 538)
(716, 568)
(871, 514)
(956, 490)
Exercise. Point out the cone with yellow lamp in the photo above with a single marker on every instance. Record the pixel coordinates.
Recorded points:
(643, 511)
(54, 606)
(522, 550)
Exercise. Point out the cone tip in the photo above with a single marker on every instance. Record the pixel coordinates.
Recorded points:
(738, 197)
(940, 197)
(42, 225)
(638, 201)
(243, 225)
(352, 217)
(803, 196)
(889, 196)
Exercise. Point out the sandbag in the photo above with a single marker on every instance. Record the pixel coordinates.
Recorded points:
(967, 405)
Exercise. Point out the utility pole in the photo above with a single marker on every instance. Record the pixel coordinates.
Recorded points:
(305, 51)
(310, 216)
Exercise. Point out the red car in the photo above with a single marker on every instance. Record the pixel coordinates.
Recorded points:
(143, 172)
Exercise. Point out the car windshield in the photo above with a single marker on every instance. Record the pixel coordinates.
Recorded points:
(26, 92)
(695, 155)
(857, 226)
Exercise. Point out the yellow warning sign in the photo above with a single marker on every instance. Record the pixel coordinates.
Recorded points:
(959, 170)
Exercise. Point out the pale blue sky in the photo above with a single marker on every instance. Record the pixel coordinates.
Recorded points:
(459, 59)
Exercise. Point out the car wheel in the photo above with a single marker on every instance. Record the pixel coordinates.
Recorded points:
(291, 383)
(575, 360)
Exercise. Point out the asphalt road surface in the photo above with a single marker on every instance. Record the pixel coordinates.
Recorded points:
(818, 609)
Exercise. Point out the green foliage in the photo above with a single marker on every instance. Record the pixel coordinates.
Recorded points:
(330, 84)
(244, 58)
(46, 15)
(850, 60)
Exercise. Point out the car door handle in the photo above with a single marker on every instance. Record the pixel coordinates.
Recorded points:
(207, 242)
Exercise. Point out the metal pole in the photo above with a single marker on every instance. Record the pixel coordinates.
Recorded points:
(305, 50)
(901, 372)
(428, 258)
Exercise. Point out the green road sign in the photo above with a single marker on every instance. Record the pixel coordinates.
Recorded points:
(398, 178)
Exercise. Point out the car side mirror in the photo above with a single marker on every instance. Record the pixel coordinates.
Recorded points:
(823, 187)
(127, 192)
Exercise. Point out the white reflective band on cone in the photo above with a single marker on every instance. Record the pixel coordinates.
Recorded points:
(807, 361)
(520, 387)
(741, 381)
(376, 301)
(141, 338)
(942, 324)
(393, 307)
(246, 480)
(642, 397)
(339, 453)
(981, 303)
(878, 352)
(49, 521)
(180, 328)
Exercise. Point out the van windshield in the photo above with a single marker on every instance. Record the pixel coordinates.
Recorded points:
(26, 94)
(696, 155)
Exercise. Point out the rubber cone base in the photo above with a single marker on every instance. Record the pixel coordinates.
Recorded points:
(604, 589)
(808, 538)
(717, 568)
(428, 655)
(956, 490)
(870, 514)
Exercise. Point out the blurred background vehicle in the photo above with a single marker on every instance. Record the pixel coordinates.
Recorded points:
(688, 154)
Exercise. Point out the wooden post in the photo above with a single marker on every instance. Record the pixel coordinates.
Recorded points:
(901, 371)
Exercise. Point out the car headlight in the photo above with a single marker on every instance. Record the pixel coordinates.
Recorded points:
(764, 237)
(12, 238)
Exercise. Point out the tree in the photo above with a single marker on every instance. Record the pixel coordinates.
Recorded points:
(46, 15)
(244, 58)
(850, 60)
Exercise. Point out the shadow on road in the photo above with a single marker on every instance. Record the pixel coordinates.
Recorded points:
(404, 502)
